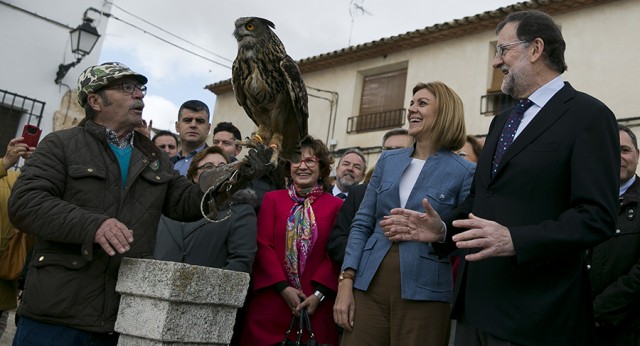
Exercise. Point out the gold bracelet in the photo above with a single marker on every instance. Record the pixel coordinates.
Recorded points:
(344, 275)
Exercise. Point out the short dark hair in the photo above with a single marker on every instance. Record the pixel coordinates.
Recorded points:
(475, 145)
(194, 106)
(324, 158)
(89, 112)
(193, 166)
(632, 135)
(534, 24)
(227, 127)
(394, 132)
(165, 133)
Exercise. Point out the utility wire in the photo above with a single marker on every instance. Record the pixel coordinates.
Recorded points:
(171, 43)
(168, 32)
(109, 15)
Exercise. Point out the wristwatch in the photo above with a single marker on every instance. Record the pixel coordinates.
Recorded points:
(345, 275)
(319, 295)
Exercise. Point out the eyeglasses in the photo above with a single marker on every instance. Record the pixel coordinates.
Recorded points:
(163, 146)
(209, 166)
(129, 87)
(309, 161)
(503, 48)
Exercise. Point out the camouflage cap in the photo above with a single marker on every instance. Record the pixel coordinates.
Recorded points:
(97, 77)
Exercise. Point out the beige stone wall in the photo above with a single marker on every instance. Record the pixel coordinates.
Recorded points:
(602, 56)
(69, 113)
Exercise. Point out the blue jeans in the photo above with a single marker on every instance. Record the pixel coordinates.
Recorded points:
(33, 333)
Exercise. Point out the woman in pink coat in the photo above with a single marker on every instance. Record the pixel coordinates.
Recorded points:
(292, 270)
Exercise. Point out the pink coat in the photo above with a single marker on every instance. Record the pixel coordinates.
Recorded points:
(268, 315)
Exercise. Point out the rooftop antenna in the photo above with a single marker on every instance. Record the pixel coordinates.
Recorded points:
(356, 9)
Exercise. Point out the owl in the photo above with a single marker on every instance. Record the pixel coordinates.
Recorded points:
(268, 85)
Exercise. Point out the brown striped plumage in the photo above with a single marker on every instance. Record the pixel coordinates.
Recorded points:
(268, 85)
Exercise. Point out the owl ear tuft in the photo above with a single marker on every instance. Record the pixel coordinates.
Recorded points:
(266, 22)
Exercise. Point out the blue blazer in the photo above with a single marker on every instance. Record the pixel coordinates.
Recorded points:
(445, 180)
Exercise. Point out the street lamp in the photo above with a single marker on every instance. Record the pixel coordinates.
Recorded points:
(83, 39)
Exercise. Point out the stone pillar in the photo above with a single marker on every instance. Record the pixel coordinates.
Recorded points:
(169, 303)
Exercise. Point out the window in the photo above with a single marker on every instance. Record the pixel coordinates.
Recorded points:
(381, 105)
(495, 101)
(12, 108)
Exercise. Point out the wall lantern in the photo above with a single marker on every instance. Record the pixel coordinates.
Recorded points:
(83, 39)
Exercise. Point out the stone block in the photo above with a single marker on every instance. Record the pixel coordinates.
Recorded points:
(168, 303)
(182, 282)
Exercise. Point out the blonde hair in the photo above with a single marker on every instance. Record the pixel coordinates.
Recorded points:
(448, 130)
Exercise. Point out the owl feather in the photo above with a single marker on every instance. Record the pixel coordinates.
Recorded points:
(268, 85)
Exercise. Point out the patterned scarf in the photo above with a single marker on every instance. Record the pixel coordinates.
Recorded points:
(301, 232)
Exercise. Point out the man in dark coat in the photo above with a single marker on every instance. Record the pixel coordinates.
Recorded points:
(614, 267)
(92, 194)
(534, 211)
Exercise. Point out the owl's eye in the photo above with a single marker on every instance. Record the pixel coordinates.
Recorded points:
(250, 26)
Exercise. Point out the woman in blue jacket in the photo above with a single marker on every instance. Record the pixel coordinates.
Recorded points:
(400, 293)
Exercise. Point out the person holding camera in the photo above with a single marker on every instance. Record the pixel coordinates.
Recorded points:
(9, 284)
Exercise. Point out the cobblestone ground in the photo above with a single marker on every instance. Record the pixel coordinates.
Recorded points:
(7, 337)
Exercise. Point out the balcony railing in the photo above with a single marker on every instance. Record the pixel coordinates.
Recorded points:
(495, 103)
(376, 121)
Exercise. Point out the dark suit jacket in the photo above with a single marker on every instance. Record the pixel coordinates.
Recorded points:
(340, 232)
(556, 189)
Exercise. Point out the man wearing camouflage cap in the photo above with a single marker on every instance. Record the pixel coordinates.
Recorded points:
(92, 194)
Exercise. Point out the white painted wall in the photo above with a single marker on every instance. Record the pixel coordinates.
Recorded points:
(32, 49)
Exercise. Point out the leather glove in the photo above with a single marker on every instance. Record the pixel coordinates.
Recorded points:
(257, 163)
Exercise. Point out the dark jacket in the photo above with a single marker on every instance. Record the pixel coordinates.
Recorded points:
(67, 189)
(340, 232)
(556, 190)
(614, 268)
(229, 244)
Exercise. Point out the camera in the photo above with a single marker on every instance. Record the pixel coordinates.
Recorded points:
(31, 135)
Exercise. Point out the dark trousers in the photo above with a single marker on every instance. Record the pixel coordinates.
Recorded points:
(468, 335)
(33, 333)
(624, 334)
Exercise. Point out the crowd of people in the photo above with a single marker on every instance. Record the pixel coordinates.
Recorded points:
(523, 237)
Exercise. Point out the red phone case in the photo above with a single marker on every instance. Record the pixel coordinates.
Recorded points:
(31, 135)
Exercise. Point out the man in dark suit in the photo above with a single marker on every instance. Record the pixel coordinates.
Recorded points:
(349, 172)
(614, 266)
(536, 208)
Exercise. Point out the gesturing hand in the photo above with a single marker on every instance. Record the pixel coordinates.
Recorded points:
(114, 234)
(405, 224)
(490, 236)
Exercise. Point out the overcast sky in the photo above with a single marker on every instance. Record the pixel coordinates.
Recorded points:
(306, 27)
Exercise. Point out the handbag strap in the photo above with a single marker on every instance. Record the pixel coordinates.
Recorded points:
(306, 320)
(288, 332)
(303, 322)
(300, 328)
